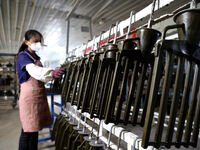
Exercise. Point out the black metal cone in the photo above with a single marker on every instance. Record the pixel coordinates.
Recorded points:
(148, 38)
(191, 32)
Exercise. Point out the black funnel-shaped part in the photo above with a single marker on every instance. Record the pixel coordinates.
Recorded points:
(129, 45)
(148, 38)
(111, 50)
(191, 30)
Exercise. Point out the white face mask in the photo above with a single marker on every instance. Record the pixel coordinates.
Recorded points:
(36, 46)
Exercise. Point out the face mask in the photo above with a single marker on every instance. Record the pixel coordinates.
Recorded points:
(36, 46)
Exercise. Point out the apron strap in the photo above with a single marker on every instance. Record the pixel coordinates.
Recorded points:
(31, 56)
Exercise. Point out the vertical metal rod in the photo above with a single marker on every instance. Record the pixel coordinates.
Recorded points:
(196, 126)
(106, 98)
(81, 88)
(105, 91)
(94, 95)
(192, 105)
(112, 95)
(130, 22)
(77, 76)
(157, 71)
(164, 98)
(102, 85)
(88, 86)
(67, 98)
(122, 90)
(131, 91)
(85, 83)
(65, 85)
(109, 33)
(68, 30)
(146, 97)
(139, 93)
(175, 100)
(184, 103)
(90, 25)
(115, 39)
(151, 14)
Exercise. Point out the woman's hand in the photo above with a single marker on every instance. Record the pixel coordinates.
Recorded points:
(57, 73)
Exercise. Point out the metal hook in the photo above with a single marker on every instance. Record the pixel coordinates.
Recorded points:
(119, 140)
(151, 15)
(134, 142)
(193, 4)
(130, 22)
(97, 138)
(91, 134)
(109, 136)
(84, 125)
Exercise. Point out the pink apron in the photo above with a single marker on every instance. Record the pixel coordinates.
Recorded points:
(33, 107)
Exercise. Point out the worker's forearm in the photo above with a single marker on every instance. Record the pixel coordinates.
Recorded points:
(39, 73)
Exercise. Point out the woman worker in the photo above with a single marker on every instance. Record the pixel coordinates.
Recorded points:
(33, 107)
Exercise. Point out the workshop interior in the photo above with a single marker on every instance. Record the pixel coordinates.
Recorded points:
(130, 73)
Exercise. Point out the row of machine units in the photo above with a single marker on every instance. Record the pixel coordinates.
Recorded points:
(8, 82)
(129, 81)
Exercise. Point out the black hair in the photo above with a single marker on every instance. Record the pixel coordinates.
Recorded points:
(28, 35)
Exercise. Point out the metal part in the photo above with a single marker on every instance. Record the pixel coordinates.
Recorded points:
(97, 144)
(151, 14)
(67, 36)
(80, 137)
(119, 139)
(180, 85)
(106, 56)
(90, 80)
(130, 58)
(122, 66)
(109, 136)
(134, 143)
(175, 102)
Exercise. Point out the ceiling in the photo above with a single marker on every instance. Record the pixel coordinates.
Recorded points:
(48, 17)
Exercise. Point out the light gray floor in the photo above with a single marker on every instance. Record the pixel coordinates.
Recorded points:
(10, 129)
